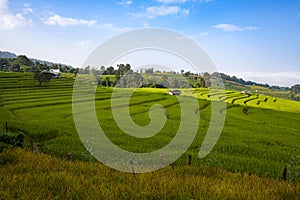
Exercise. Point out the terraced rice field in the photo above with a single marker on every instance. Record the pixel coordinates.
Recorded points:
(253, 100)
(260, 135)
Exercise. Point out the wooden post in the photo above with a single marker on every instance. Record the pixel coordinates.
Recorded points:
(132, 166)
(190, 159)
(284, 172)
(69, 156)
(31, 144)
(161, 160)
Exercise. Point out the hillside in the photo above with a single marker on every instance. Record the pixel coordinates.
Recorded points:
(195, 80)
(256, 144)
(257, 89)
(27, 175)
(6, 54)
(55, 130)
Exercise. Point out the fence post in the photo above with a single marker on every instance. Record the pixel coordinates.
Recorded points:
(190, 159)
(69, 156)
(131, 162)
(31, 144)
(284, 172)
(161, 156)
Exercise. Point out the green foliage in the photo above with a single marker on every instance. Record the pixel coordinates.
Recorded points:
(296, 89)
(42, 77)
(23, 61)
(293, 169)
(12, 139)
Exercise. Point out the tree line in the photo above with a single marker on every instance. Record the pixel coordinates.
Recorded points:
(24, 64)
(124, 76)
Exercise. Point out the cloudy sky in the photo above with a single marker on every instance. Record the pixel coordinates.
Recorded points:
(257, 40)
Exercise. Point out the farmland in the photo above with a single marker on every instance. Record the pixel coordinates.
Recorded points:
(29, 175)
(259, 139)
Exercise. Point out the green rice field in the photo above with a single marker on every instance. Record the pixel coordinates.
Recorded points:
(261, 137)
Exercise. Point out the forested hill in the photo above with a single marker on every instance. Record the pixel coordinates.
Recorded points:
(11, 62)
(6, 54)
(9, 55)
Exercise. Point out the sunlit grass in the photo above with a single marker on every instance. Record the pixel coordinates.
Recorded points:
(26, 175)
(260, 141)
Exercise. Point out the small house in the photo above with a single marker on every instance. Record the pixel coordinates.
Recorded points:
(55, 73)
(174, 92)
(245, 92)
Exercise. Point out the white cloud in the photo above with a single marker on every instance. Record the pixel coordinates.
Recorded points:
(171, 1)
(84, 43)
(298, 15)
(27, 9)
(146, 25)
(286, 79)
(164, 8)
(251, 28)
(181, 1)
(205, 1)
(107, 26)
(125, 3)
(185, 11)
(67, 21)
(204, 33)
(156, 11)
(234, 28)
(114, 28)
(9, 20)
(199, 35)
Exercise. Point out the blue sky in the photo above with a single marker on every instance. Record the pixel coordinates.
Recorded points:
(257, 40)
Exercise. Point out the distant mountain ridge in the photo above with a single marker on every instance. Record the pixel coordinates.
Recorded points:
(7, 54)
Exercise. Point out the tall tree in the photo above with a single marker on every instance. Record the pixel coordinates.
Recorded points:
(110, 70)
(149, 70)
(296, 89)
(4, 64)
(42, 77)
(201, 82)
(24, 61)
(121, 71)
(102, 70)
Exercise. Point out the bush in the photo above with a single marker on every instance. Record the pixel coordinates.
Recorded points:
(12, 139)
(293, 169)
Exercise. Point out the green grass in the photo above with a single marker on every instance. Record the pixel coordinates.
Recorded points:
(265, 136)
(258, 138)
(265, 102)
(26, 175)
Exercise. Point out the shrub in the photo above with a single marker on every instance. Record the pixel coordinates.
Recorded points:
(12, 139)
(293, 169)
(245, 110)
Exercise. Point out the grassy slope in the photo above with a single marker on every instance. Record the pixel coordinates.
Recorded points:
(254, 100)
(27, 175)
(230, 85)
(259, 142)
(45, 116)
